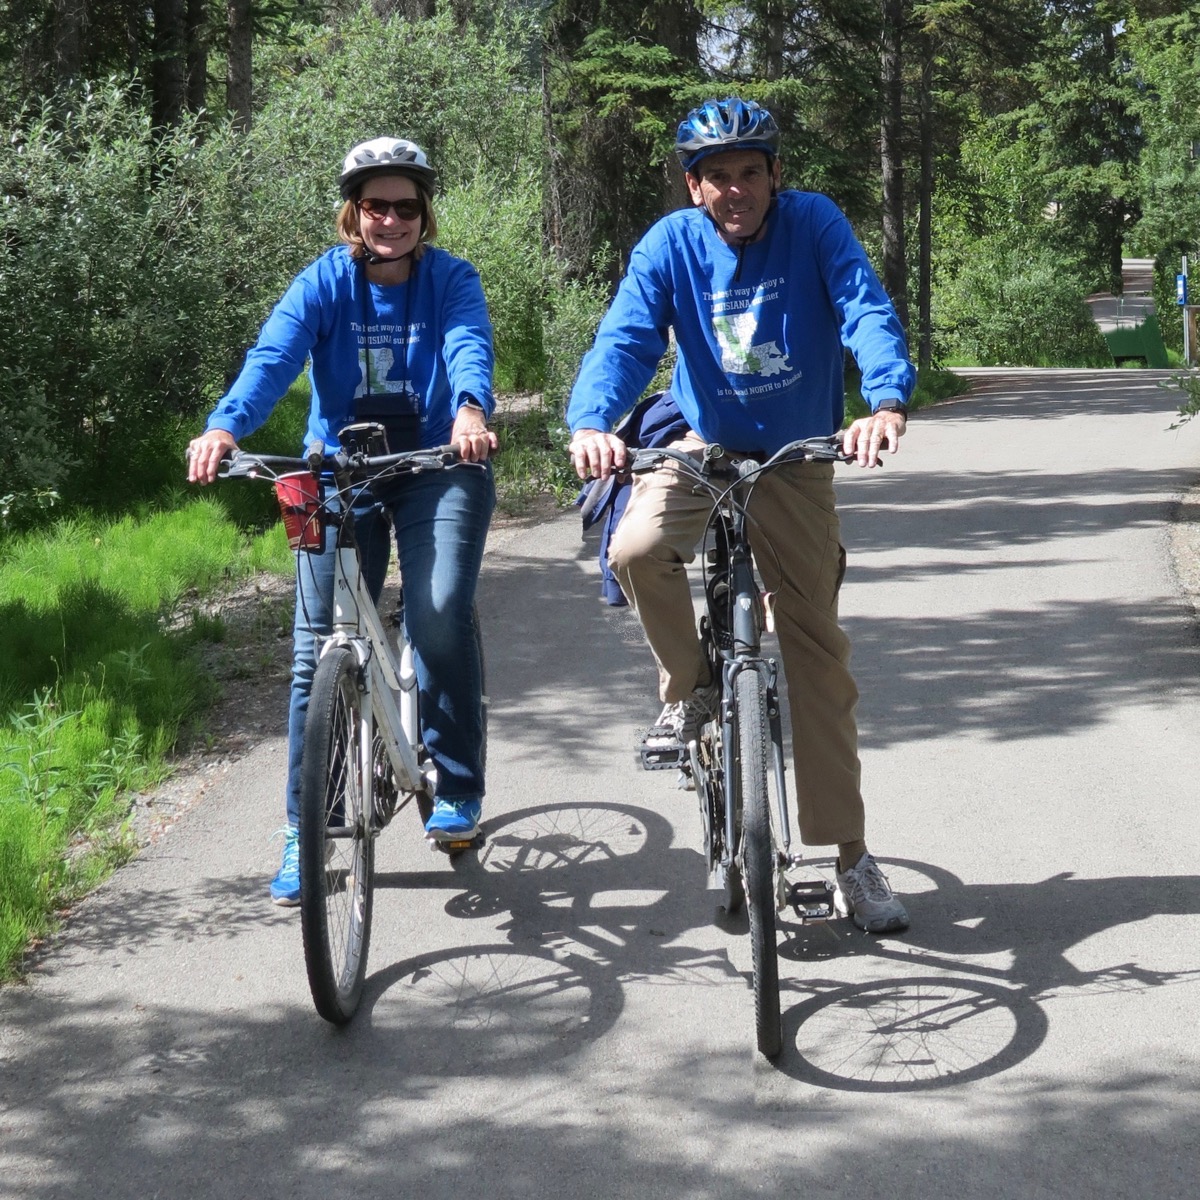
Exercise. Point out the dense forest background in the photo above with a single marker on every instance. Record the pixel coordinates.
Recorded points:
(168, 165)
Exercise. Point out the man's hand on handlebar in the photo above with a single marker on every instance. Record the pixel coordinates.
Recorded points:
(597, 455)
(474, 440)
(204, 454)
(865, 438)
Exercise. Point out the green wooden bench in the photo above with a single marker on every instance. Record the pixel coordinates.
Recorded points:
(1142, 341)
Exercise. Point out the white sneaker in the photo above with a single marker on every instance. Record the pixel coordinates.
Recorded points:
(864, 893)
(680, 723)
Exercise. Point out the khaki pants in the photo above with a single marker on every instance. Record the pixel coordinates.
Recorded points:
(796, 540)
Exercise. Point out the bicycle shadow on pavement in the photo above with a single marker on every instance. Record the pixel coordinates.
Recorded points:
(590, 896)
(977, 974)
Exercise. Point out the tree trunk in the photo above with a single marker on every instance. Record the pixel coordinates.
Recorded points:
(553, 215)
(197, 55)
(677, 27)
(895, 274)
(925, 218)
(168, 74)
(771, 46)
(239, 81)
(70, 21)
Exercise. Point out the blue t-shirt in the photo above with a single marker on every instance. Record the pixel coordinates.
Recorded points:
(412, 349)
(759, 331)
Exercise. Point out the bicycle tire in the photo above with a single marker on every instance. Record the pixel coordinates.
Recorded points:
(758, 854)
(336, 873)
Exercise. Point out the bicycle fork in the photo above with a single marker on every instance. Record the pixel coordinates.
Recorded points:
(731, 668)
(389, 688)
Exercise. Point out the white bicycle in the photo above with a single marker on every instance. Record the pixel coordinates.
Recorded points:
(363, 755)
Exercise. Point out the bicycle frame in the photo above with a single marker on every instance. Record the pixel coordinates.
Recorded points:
(733, 629)
(389, 686)
(388, 682)
(732, 556)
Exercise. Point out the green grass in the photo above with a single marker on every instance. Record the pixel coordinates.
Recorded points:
(97, 687)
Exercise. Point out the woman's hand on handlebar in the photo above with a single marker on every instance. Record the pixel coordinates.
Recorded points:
(597, 455)
(866, 437)
(471, 436)
(205, 452)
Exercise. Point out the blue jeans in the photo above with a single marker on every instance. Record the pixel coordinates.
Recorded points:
(441, 521)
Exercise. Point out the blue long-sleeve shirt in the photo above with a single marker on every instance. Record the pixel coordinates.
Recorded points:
(415, 348)
(759, 332)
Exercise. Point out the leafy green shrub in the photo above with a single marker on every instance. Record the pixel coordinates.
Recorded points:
(1010, 305)
(534, 459)
(501, 237)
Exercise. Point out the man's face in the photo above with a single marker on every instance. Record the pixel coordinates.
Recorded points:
(735, 186)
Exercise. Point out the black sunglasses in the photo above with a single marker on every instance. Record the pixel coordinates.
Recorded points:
(377, 208)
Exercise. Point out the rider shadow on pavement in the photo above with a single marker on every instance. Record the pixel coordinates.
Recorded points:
(973, 974)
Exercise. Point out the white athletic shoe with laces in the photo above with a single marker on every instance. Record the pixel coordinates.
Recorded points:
(680, 722)
(864, 893)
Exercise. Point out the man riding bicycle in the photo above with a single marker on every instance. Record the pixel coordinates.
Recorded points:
(762, 288)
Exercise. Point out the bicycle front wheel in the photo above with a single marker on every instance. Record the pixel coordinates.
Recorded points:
(758, 854)
(336, 842)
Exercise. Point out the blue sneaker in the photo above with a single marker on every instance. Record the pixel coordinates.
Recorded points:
(454, 820)
(285, 887)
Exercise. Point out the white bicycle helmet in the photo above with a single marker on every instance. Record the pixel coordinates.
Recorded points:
(385, 155)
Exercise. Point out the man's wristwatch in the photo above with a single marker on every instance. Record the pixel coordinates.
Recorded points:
(469, 401)
(896, 406)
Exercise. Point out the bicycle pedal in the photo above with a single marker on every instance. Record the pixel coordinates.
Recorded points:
(456, 845)
(812, 900)
(663, 758)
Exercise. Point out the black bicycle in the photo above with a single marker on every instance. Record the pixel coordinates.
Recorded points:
(736, 764)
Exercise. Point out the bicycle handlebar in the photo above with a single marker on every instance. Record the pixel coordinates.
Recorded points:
(242, 464)
(818, 449)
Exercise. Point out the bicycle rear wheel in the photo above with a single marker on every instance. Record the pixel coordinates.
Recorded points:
(758, 854)
(336, 841)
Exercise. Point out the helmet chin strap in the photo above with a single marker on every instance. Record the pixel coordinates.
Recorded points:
(378, 260)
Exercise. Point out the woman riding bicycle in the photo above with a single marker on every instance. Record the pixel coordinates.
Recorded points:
(396, 332)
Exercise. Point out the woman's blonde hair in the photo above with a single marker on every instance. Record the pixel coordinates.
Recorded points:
(349, 227)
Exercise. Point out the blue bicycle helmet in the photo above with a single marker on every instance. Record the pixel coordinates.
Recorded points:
(730, 124)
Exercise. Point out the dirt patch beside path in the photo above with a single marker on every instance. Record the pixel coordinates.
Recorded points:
(252, 666)
(1185, 546)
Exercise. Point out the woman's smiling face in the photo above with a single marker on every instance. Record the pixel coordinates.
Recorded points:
(390, 237)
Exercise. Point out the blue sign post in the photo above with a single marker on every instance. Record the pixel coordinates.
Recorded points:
(1189, 311)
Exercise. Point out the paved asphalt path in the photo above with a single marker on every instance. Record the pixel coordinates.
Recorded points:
(564, 1017)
